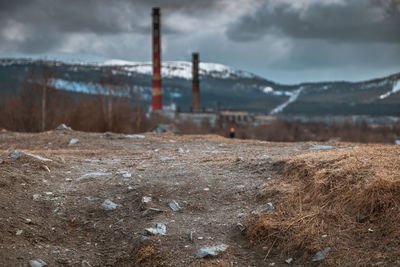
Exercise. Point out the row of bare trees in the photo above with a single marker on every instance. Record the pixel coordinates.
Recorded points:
(109, 106)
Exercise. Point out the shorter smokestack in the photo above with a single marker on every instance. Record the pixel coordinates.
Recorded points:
(195, 84)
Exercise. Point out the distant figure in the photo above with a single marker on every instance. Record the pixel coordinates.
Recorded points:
(232, 133)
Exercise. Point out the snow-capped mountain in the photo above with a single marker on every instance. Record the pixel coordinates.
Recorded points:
(222, 87)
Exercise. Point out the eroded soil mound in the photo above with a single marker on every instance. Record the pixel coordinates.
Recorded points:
(343, 201)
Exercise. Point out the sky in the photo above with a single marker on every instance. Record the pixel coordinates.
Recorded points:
(286, 41)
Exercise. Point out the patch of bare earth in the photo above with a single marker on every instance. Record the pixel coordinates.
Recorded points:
(53, 210)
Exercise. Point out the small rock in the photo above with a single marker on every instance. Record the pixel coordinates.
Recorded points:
(320, 255)
(143, 238)
(63, 127)
(37, 263)
(270, 208)
(134, 136)
(130, 188)
(191, 236)
(174, 205)
(28, 220)
(73, 141)
(16, 154)
(161, 229)
(92, 175)
(109, 205)
(289, 261)
(146, 200)
(36, 196)
(19, 232)
(127, 175)
(150, 211)
(85, 264)
(241, 227)
(211, 251)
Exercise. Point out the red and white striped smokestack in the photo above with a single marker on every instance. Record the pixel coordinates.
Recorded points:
(195, 83)
(156, 81)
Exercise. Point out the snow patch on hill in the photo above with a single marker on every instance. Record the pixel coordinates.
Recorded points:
(395, 89)
(181, 69)
(292, 98)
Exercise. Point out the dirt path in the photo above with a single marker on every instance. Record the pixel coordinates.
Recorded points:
(214, 180)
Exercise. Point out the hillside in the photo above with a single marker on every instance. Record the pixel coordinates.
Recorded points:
(82, 199)
(222, 87)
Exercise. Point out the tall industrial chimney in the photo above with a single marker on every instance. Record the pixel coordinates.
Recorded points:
(156, 81)
(195, 84)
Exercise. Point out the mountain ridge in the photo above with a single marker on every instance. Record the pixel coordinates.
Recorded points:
(225, 87)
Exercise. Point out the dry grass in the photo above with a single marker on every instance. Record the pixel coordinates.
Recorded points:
(352, 196)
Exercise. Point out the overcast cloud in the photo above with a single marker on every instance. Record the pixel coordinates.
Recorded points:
(283, 40)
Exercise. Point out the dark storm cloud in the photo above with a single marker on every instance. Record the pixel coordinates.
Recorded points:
(350, 20)
(40, 25)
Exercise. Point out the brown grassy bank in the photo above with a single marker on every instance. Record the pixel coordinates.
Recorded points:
(348, 200)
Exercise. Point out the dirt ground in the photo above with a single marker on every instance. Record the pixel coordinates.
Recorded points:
(49, 210)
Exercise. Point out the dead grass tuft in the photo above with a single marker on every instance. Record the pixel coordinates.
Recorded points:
(352, 196)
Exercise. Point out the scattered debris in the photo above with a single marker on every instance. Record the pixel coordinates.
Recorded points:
(174, 205)
(370, 230)
(289, 261)
(36, 196)
(163, 128)
(324, 236)
(37, 157)
(19, 232)
(109, 205)
(150, 211)
(37, 263)
(206, 189)
(28, 221)
(320, 255)
(92, 175)
(270, 208)
(211, 251)
(397, 142)
(73, 141)
(160, 229)
(45, 168)
(321, 147)
(240, 215)
(68, 179)
(180, 150)
(135, 136)
(63, 127)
